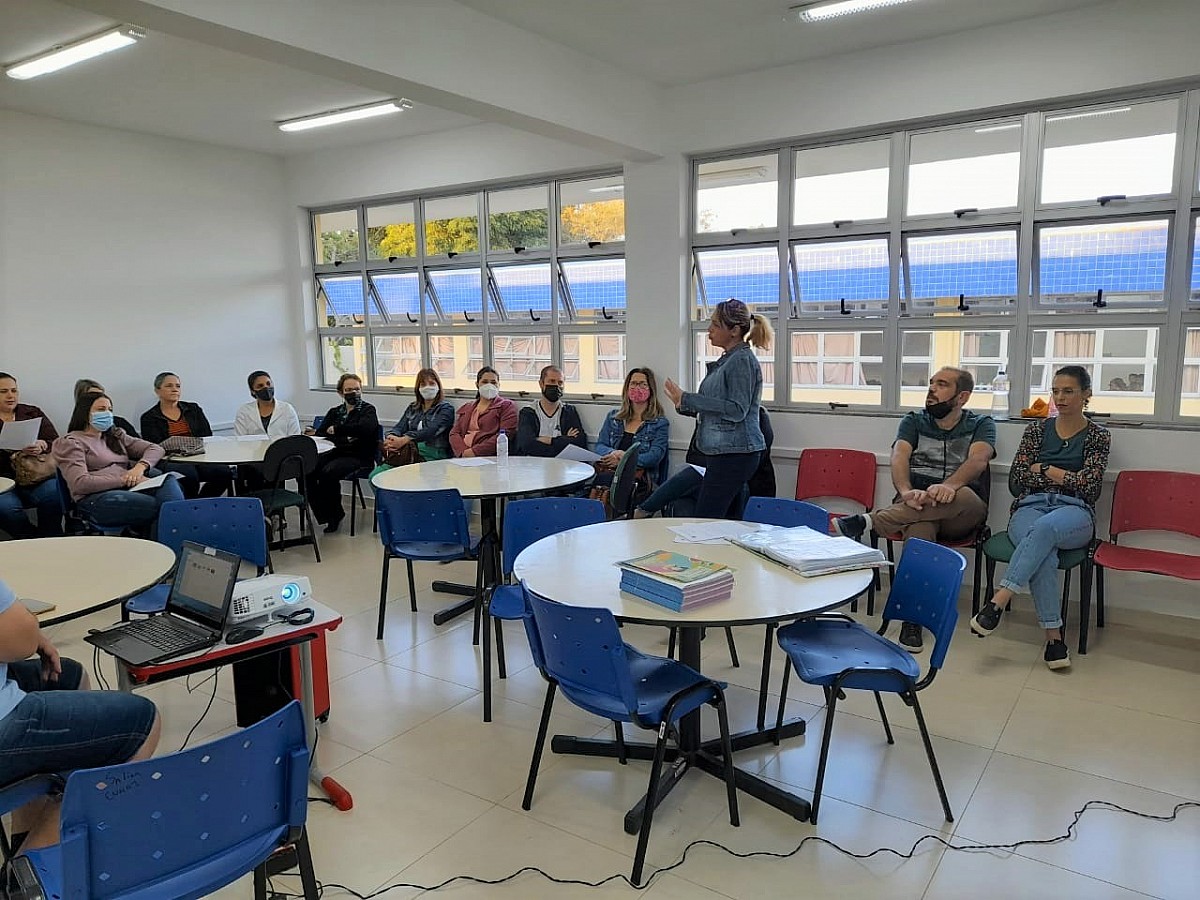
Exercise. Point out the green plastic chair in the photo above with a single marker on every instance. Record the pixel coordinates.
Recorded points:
(999, 548)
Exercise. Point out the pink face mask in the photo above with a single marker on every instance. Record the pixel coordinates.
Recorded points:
(639, 393)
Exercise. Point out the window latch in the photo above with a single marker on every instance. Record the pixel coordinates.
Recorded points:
(450, 254)
(605, 314)
(533, 317)
(411, 320)
(518, 249)
(836, 406)
(468, 318)
(963, 305)
(1100, 302)
(843, 310)
(592, 245)
(337, 262)
(966, 210)
(838, 223)
(392, 258)
(522, 393)
(1109, 198)
(597, 396)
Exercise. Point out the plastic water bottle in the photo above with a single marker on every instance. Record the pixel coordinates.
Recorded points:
(502, 448)
(1000, 395)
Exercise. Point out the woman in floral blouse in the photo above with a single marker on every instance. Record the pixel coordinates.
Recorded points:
(1056, 477)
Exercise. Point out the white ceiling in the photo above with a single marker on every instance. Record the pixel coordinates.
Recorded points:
(675, 42)
(179, 88)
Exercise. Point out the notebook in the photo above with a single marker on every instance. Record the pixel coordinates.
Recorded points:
(197, 608)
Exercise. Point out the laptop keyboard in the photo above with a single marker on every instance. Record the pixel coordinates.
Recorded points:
(161, 633)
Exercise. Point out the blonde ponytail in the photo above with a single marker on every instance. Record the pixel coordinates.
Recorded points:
(761, 333)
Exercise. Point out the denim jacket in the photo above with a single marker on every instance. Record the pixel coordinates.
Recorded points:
(653, 435)
(727, 404)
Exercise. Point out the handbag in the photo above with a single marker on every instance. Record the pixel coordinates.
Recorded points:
(405, 456)
(32, 468)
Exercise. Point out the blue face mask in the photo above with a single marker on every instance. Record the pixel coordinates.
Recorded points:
(101, 421)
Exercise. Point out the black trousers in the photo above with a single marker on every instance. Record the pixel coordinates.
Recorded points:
(325, 487)
(721, 495)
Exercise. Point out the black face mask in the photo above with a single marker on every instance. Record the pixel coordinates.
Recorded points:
(352, 397)
(266, 395)
(940, 410)
(552, 392)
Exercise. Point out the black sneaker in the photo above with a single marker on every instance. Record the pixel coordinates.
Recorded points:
(987, 620)
(1056, 655)
(850, 526)
(910, 637)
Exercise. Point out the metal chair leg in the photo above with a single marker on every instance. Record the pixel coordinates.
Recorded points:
(619, 734)
(308, 875)
(824, 758)
(543, 726)
(1099, 596)
(733, 657)
(887, 728)
(383, 583)
(501, 668)
(937, 775)
(727, 751)
(639, 857)
(1085, 605)
(412, 586)
(672, 636)
(765, 681)
(787, 672)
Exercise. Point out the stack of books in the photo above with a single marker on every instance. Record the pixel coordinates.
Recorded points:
(676, 581)
(809, 552)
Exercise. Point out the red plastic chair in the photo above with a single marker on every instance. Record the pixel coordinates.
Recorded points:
(844, 474)
(1146, 501)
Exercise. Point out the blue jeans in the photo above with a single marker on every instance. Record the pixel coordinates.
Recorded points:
(134, 509)
(44, 498)
(1041, 526)
(684, 482)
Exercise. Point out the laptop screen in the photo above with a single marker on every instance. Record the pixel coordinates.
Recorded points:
(204, 585)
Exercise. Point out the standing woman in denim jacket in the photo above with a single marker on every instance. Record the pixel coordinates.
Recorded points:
(726, 406)
(1056, 477)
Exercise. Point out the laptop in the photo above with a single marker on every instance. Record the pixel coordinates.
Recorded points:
(197, 608)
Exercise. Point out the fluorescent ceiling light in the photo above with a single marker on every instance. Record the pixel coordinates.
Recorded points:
(68, 54)
(1088, 115)
(988, 129)
(350, 114)
(835, 9)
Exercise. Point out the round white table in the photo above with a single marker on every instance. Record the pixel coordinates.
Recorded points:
(6, 484)
(578, 568)
(488, 480)
(235, 452)
(81, 575)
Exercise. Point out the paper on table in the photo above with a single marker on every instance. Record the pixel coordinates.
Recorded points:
(218, 439)
(19, 435)
(250, 437)
(472, 461)
(156, 482)
(711, 532)
(579, 454)
(699, 469)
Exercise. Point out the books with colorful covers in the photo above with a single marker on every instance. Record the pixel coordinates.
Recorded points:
(676, 581)
(811, 553)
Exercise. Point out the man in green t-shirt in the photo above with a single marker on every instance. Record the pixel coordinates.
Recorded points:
(940, 471)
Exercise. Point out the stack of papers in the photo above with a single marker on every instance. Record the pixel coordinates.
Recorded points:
(676, 581)
(809, 552)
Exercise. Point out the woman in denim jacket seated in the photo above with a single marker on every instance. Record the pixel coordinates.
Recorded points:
(639, 419)
(1056, 477)
(726, 406)
(423, 432)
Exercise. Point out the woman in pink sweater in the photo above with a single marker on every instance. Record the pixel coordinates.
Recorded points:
(102, 465)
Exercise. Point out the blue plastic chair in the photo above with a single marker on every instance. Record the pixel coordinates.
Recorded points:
(233, 524)
(579, 650)
(187, 824)
(421, 525)
(837, 654)
(527, 521)
(73, 514)
(15, 795)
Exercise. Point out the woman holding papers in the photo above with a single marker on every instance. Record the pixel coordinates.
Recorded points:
(43, 495)
(103, 467)
(1056, 477)
(640, 418)
(548, 426)
(726, 408)
(479, 423)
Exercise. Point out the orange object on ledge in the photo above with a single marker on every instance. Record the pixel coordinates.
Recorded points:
(1039, 410)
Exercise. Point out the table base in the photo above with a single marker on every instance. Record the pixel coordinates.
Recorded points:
(707, 758)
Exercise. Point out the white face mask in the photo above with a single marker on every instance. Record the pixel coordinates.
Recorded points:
(489, 391)
(429, 391)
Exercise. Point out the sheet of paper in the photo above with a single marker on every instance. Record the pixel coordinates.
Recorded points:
(471, 461)
(699, 469)
(36, 607)
(714, 532)
(219, 439)
(19, 435)
(151, 484)
(250, 437)
(578, 453)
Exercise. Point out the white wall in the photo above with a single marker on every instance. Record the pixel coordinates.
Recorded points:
(124, 254)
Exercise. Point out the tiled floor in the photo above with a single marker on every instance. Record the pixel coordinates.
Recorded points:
(437, 793)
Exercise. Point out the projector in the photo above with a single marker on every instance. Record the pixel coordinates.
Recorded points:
(258, 597)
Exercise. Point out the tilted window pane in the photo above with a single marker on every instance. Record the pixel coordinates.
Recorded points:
(522, 293)
(733, 194)
(980, 352)
(396, 298)
(456, 358)
(837, 367)
(519, 218)
(1127, 260)
(452, 225)
(340, 301)
(1196, 264)
(595, 290)
(344, 355)
(592, 210)
(335, 237)
(972, 167)
(706, 353)
(848, 182)
(1189, 400)
(828, 272)
(594, 363)
(397, 360)
(1115, 149)
(456, 295)
(751, 274)
(979, 266)
(518, 358)
(1120, 360)
(391, 231)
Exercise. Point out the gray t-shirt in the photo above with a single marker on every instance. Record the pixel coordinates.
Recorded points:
(938, 453)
